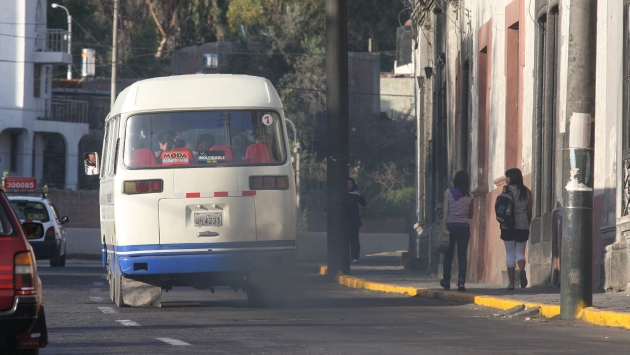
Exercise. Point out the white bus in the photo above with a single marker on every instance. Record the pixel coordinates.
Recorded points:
(196, 188)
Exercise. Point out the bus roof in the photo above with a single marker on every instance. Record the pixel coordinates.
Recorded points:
(197, 91)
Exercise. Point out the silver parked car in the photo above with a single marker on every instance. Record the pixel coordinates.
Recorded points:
(43, 227)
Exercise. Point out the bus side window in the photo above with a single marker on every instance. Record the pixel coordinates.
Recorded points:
(106, 149)
(109, 153)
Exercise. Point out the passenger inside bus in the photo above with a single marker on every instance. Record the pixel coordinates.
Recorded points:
(240, 142)
(205, 141)
(258, 153)
(207, 152)
(166, 142)
(179, 142)
(173, 150)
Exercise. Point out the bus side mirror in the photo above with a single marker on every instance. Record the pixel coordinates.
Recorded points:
(90, 162)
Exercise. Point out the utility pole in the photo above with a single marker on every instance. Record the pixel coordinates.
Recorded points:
(576, 291)
(337, 119)
(114, 54)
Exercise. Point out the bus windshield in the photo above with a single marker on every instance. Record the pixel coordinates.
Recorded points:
(204, 139)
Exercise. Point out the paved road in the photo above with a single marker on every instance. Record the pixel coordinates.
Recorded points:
(321, 318)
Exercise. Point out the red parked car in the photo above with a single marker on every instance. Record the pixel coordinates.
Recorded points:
(22, 320)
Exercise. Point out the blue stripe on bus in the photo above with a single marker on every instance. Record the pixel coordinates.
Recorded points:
(185, 264)
(150, 247)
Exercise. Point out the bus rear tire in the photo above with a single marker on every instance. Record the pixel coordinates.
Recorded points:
(112, 286)
(117, 286)
(137, 293)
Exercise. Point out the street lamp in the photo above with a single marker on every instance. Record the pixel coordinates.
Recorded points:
(54, 6)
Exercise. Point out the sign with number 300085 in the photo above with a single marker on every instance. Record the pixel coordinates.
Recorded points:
(20, 183)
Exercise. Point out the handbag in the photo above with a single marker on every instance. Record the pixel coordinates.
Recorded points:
(441, 238)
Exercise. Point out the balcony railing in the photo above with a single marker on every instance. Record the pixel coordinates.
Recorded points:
(62, 110)
(53, 48)
(56, 40)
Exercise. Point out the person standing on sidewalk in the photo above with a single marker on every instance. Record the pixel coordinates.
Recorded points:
(354, 218)
(460, 210)
(515, 238)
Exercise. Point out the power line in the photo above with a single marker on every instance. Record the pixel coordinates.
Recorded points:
(350, 93)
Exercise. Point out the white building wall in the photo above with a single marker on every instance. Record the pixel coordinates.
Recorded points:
(563, 62)
(452, 44)
(19, 108)
(608, 98)
(528, 86)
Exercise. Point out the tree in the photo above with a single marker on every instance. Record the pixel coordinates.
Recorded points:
(182, 22)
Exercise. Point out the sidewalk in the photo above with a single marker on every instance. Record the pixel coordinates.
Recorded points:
(382, 272)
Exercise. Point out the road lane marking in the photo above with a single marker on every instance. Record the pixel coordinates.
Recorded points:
(98, 283)
(107, 310)
(95, 290)
(104, 276)
(95, 299)
(128, 323)
(173, 341)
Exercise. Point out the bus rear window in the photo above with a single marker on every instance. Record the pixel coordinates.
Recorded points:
(204, 139)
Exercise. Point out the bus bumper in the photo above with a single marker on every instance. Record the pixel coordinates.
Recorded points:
(201, 263)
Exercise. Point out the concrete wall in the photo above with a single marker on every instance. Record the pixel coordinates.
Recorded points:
(397, 99)
(363, 86)
(83, 243)
(86, 243)
(81, 207)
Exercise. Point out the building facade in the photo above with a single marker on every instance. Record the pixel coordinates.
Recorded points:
(492, 94)
(38, 133)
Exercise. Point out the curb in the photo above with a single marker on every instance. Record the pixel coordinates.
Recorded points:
(590, 315)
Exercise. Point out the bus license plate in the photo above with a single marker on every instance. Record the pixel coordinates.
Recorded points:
(208, 219)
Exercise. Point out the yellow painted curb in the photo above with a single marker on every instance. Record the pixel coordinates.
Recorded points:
(607, 318)
(355, 282)
(590, 314)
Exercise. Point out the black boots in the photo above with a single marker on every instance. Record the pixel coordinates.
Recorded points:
(523, 279)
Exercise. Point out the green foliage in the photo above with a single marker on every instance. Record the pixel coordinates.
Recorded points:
(139, 60)
(249, 13)
(397, 203)
(303, 220)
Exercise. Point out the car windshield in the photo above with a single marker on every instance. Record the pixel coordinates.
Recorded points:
(30, 210)
(204, 139)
